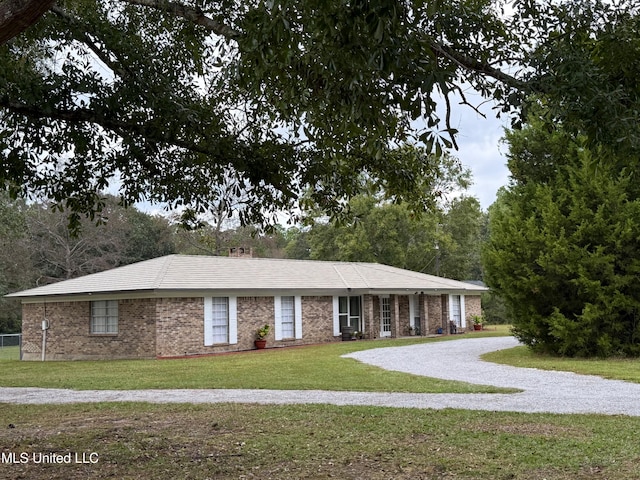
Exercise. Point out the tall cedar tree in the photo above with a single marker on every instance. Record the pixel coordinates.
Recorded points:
(564, 248)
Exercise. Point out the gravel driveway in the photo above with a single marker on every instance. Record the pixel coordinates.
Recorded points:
(543, 391)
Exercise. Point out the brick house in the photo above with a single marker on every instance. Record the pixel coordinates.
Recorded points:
(181, 305)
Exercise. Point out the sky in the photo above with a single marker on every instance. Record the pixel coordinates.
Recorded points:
(481, 150)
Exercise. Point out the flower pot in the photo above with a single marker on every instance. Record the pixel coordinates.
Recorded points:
(260, 344)
(477, 326)
(347, 333)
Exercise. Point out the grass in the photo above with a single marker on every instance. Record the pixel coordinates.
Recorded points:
(143, 441)
(305, 368)
(613, 368)
(237, 441)
(10, 353)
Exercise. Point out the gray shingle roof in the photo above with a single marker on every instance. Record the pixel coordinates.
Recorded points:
(175, 273)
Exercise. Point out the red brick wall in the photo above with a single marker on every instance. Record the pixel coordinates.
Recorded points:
(175, 326)
(180, 327)
(472, 306)
(69, 337)
(253, 313)
(317, 320)
(434, 313)
(403, 301)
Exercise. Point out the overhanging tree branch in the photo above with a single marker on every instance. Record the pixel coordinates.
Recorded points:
(86, 38)
(18, 15)
(106, 121)
(195, 15)
(469, 63)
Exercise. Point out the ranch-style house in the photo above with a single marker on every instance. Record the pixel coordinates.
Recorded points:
(183, 305)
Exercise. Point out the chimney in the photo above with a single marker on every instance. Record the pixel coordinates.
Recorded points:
(240, 252)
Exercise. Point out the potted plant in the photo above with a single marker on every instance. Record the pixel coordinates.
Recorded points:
(261, 336)
(477, 322)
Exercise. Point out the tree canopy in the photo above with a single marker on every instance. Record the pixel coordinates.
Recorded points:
(38, 248)
(446, 241)
(199, 103)
(564, 250)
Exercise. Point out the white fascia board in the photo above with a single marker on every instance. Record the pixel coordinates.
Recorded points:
(191, 293)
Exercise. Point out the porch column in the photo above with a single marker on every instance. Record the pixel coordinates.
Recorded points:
(395, 316)
(424, 314)
(444, 313)
(435, 314)
(367, 316)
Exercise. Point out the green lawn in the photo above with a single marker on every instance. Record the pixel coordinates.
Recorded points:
(614, 368)
(148, 442)
(10, 353)
(236, 441)
(311, 367)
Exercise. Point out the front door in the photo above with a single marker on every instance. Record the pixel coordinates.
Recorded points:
(456, 310)
(414, 314)
(385, 317)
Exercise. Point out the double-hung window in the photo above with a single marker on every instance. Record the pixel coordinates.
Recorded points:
(220, 319)
(347, 312)
(104, 317)
(287, 316)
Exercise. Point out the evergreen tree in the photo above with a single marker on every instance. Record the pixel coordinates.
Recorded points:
(564, 248)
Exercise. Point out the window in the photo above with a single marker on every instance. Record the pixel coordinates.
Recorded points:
(349, 312)
(287, 316)
(220, 319)
(104, 317)
(343, 310)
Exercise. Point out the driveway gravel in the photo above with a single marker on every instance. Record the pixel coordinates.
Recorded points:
(542, 391)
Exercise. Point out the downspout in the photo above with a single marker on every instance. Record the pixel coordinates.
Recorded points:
(45, 327)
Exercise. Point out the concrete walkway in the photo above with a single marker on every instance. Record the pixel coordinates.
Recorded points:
(557, 392)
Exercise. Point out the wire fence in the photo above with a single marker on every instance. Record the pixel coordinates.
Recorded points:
(10, 346)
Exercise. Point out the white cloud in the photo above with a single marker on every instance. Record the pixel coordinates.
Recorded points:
(481, 150)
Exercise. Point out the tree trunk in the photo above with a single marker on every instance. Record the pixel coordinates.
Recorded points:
(18, 15)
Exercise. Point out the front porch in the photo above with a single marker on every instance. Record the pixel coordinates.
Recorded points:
(395, 315)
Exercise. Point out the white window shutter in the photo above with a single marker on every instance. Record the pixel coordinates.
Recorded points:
(277, 307)
(298, 317)
(208, 321)
(336, 316)
(233, 320)
(463, 319)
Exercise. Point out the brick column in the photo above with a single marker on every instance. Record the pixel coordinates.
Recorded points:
(424, 314)
(395, 316)
(367, 316)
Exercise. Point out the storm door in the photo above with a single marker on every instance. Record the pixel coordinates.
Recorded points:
(385, 316)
